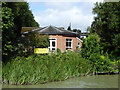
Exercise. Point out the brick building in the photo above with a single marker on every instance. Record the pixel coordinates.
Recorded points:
(60, 38)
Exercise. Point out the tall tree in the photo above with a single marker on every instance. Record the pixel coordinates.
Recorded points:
(107, 23)
(78, 31)
(23, 17)
(69, 28)
(7, 30)
(14, 16)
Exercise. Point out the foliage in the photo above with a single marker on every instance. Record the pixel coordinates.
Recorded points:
(38, 40)
(23, 17)
(90, 45)
(107, 24)
(102, 63)
(7, 30)
(116, 43)
(15, 15)
(31, 40)
(91, 50)
(78, 31)
(37, 69)
(58, 51)
(69, 28)
(88, 30)
(74, 30)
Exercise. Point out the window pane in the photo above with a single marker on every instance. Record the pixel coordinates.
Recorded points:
(53, 48)
(68, 39)
(69, 44)
(66, 43)
(53, 43)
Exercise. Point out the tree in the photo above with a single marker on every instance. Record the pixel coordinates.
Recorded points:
(107, 23)
(116, 44)
(91, 52)
(69, 28)
(78, 31)
(23, 17)
(88, 29)
(90, 45)
(74, 30)
(14, 16)
(7, 31)
(30, 41)
(38, 40)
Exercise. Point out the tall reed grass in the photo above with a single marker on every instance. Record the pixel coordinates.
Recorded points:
(37, 69)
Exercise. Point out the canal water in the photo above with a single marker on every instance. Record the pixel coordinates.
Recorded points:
(96, 81)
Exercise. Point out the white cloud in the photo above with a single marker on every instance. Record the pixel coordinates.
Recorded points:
(58, 17)
(61, 5)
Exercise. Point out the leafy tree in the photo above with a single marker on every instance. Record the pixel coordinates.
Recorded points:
(23, 17)
(74, 30)
(30, 41)
(90, 45)
(0, 30)
(7, 31)
(91, 51)
(116, 44)
(14, 17)
(38, 40)
(88, 29)
(107, 23)
(69, 28)
(78, 31)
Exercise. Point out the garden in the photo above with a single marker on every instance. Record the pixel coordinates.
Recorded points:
(39, 69)
(100, 51)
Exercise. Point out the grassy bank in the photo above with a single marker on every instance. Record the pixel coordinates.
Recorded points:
(37, 69)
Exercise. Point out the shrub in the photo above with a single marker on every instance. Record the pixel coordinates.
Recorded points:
(58, 51)
(91, 51)
(90, 45)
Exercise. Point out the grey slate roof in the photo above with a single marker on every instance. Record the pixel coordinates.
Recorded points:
(52, 30)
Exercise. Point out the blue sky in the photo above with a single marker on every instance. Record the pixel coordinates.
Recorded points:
(61, 14)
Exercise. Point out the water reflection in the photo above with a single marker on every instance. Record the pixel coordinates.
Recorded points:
(97, 81)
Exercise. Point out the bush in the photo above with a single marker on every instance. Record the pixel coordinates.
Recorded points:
(91, 51)
(90, 46)
(58, 51)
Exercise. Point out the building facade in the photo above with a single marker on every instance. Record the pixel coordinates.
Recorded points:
(60, 38)
(64, 43)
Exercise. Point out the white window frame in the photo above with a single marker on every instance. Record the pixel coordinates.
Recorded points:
(51, 47)
(67, 47)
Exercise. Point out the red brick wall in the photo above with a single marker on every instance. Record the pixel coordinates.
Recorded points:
(61, 42)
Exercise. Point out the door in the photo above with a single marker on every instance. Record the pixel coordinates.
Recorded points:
(52, 44)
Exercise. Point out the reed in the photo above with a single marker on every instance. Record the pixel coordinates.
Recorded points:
(38, 69)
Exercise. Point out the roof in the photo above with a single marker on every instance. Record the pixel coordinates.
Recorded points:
(52, 30)
(26, 29)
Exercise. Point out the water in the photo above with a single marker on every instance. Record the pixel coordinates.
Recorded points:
(96, 81)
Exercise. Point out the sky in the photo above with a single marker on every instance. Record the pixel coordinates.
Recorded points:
(61, 14)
